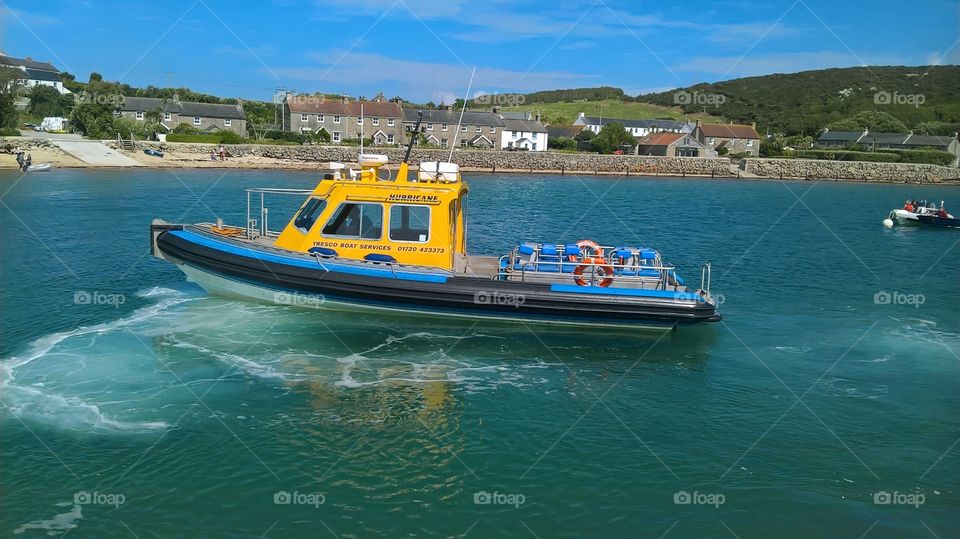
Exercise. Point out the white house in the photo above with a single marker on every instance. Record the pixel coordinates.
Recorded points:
(35, 73)
(526, 134)
(637, 128)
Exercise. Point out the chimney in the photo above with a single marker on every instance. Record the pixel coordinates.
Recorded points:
(449, 108)
(698, 124)
(581, 115)
(496, 110)
(753, 125)
(379, 98)
(865, 131)
(538, 117)
(345, 98)
(176, 97)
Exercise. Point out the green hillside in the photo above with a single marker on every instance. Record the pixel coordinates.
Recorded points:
(566, 112)
(926, 98)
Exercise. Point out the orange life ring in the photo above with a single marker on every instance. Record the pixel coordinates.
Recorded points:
(591, 244)
(600, 265)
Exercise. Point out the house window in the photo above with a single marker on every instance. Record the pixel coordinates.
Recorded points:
(749, 143)
(514, 133)
(359, 121)
(390, 122)
(167, 116)
(376, 121)
(410, 223)
(443, 143)
(463, 143)
(227, 122)
(493, 130)
(196, 120)
(429, 127)
(479, 130)
(534, 147)
(336, 136)
(389, 139)
(304, 118)
(711, 140)
(336, 119)
(139, 115)
(320, 118)
(463, 129)
(533, 136)
(443, 127)
(352, 220)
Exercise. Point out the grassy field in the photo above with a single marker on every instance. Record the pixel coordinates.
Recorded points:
(567, 112)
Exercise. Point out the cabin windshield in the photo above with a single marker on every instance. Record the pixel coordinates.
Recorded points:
(309, 213)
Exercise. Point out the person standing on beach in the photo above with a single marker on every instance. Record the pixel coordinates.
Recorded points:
(223, 153)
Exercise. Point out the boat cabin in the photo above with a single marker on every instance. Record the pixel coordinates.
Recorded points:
(378, 218)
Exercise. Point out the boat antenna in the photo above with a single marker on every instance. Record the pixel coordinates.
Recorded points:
(460, 121)
(413, 137)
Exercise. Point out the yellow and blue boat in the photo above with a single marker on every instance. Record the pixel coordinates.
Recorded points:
(396, 243)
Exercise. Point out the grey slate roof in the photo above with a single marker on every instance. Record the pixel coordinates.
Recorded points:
(929, 140)
(42, 74)
(30, 64)
(470, 117)
(531, 126)
(645, 124)
(884, 138)
(183, 108)
(516, 115)
(850, 136)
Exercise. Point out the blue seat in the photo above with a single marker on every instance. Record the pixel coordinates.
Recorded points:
(527, 252)
(378, 257)
(570, 250)
(549, 259)
(322, 251)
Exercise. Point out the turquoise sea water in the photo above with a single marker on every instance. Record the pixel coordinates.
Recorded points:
(135, 405)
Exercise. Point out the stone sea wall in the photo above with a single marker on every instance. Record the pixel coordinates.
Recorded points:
(583, 163)
(479, 160)
(814, 169)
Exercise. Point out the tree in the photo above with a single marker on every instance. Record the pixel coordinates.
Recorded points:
(93, 115)
(876, 121)
(611, 137)
(11, 83)
(562, 143)
(46, 101)
(585, 135)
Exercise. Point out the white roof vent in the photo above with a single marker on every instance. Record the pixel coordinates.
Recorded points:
(438, 171)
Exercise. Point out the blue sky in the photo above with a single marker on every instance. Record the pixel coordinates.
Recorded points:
(425, 50)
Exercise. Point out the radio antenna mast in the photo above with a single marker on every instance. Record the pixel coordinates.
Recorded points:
(462, 109)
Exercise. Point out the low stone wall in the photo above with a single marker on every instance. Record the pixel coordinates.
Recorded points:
(850, 170)
(7, 144)
(478, 160)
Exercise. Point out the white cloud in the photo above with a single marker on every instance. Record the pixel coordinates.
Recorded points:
(355, 71)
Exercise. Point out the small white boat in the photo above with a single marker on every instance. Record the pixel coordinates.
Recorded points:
(904, 217)
(40, 167)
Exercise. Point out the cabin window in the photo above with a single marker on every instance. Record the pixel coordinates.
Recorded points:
(353, 220)
(309, 213)
(410, 223)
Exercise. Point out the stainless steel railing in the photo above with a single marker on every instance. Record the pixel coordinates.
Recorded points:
(253, 230)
